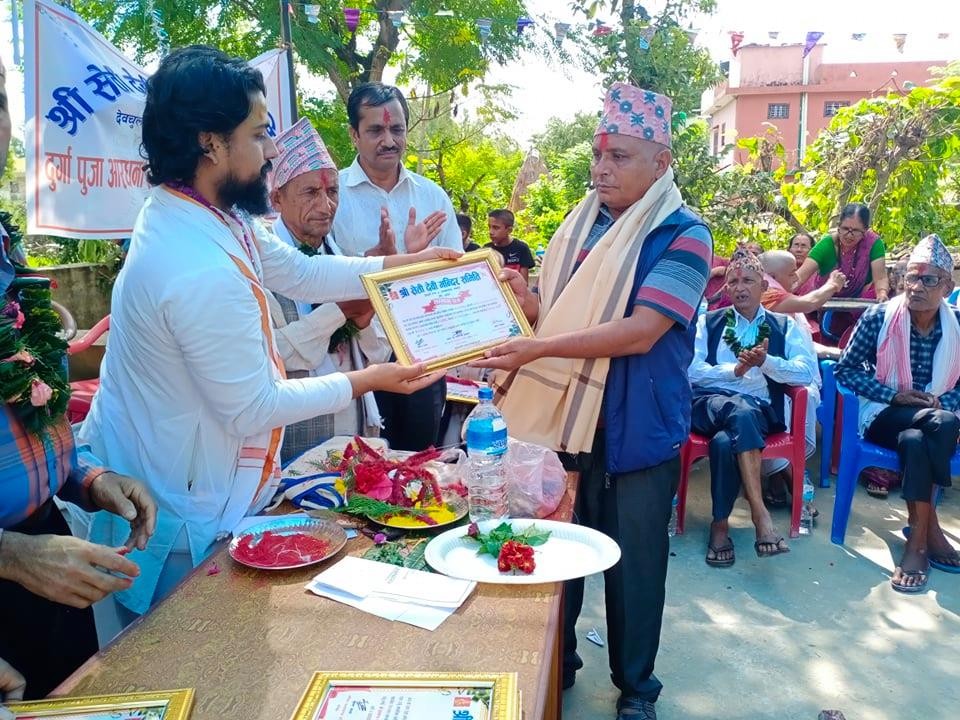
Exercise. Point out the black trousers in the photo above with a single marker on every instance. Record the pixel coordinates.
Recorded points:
(412, 422)
(735, 424)
(44, 640)
(633, 509)
(925, 440)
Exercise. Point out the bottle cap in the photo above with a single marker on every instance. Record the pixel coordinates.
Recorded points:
(485, 393)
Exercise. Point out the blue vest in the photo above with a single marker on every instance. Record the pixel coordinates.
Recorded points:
(777, 342)
(647, 398)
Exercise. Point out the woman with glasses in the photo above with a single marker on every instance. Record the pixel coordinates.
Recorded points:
(856, 251)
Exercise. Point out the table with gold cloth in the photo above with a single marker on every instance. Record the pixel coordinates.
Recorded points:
(248, 641)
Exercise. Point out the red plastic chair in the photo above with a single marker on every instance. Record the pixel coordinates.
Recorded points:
(791, 446)
(82, 391)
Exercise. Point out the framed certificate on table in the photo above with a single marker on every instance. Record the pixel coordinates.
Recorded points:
(410, 696)
(446, 313)
(166, 705)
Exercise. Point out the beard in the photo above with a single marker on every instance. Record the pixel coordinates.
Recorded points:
(251, 196)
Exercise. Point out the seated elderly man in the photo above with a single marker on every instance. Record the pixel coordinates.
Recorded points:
(780, 270)
(782, 279)
(743, 358)
(315, 340)
(902, 362)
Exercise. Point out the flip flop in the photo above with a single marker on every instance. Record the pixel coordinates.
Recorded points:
(911, 589)
(940, 563)
(878, 491)
(713, 562)
(778, 550)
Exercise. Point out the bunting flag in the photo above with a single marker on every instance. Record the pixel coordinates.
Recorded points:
(773, 34)
(523, 23)
(352, 17)
(602, 29)
(858, 36)
(396, 17)
(943, 36)
(692, 35)
(736, 37)
(900, 39)
(443, 12)
(483, 26)
(646, 35)
(813, 38)
(312, 12)
(560, 30)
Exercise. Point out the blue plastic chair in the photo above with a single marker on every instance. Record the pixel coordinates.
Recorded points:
(954, 296)
(825, 321)
(826, 415)
(857, 454)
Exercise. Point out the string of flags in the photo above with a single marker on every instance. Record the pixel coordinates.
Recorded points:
(813, 37)
(484, 25)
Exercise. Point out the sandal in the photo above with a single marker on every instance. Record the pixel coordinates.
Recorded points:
(715, 561)
(877, 491)
(911, 589)
(944, 564)
(777, 544)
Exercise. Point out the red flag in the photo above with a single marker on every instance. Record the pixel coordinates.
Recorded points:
(735, 39)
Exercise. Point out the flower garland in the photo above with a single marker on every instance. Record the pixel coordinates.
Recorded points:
(33, 370)
(346, 332)
(730, 334)
(33, 374)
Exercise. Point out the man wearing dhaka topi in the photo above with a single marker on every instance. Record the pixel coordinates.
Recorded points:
(316, 340)
(902, 363)
(193, 396)
(615, 316)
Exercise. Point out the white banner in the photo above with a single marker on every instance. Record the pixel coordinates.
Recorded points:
(84, 113)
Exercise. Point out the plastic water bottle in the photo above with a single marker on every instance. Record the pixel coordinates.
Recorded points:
(486, 434)
(806, 512)
(672, 527)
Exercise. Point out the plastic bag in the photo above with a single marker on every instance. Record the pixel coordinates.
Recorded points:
(536, 480)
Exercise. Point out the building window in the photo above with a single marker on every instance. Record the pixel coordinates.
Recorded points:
(723, 135)
(778, 111)
(831, 107)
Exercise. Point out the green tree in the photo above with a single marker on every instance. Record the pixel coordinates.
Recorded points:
(672, 64)
(442, 51)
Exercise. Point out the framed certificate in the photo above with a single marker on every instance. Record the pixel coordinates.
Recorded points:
(166, 705)
(410, 696)
(446, 313)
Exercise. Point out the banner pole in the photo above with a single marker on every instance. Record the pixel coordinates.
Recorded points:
(287, 42)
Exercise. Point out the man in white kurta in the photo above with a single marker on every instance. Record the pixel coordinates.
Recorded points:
(192, 394)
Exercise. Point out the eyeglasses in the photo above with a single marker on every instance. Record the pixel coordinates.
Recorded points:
(930, 281)
(855, 232)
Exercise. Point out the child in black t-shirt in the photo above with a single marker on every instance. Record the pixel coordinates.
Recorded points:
(516, 255)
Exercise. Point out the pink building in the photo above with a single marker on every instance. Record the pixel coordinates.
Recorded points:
(765, 84)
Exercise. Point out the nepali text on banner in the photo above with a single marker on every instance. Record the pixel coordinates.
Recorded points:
(84, 116)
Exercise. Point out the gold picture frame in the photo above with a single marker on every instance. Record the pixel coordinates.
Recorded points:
(470, 318)
(497, 693)
(161, 705)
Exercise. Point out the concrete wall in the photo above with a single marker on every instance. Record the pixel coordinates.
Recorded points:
(82, 290)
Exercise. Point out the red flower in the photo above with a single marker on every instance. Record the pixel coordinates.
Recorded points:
(516, 556)
(373, 482)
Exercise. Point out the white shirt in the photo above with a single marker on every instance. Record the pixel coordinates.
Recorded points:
(356, 226)
(187, 375)
(304, 345)
(799, 367)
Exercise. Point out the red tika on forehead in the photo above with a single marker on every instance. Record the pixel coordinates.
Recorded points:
(386, 116)
(604, 141)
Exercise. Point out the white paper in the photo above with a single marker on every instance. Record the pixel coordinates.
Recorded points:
(412, 596)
